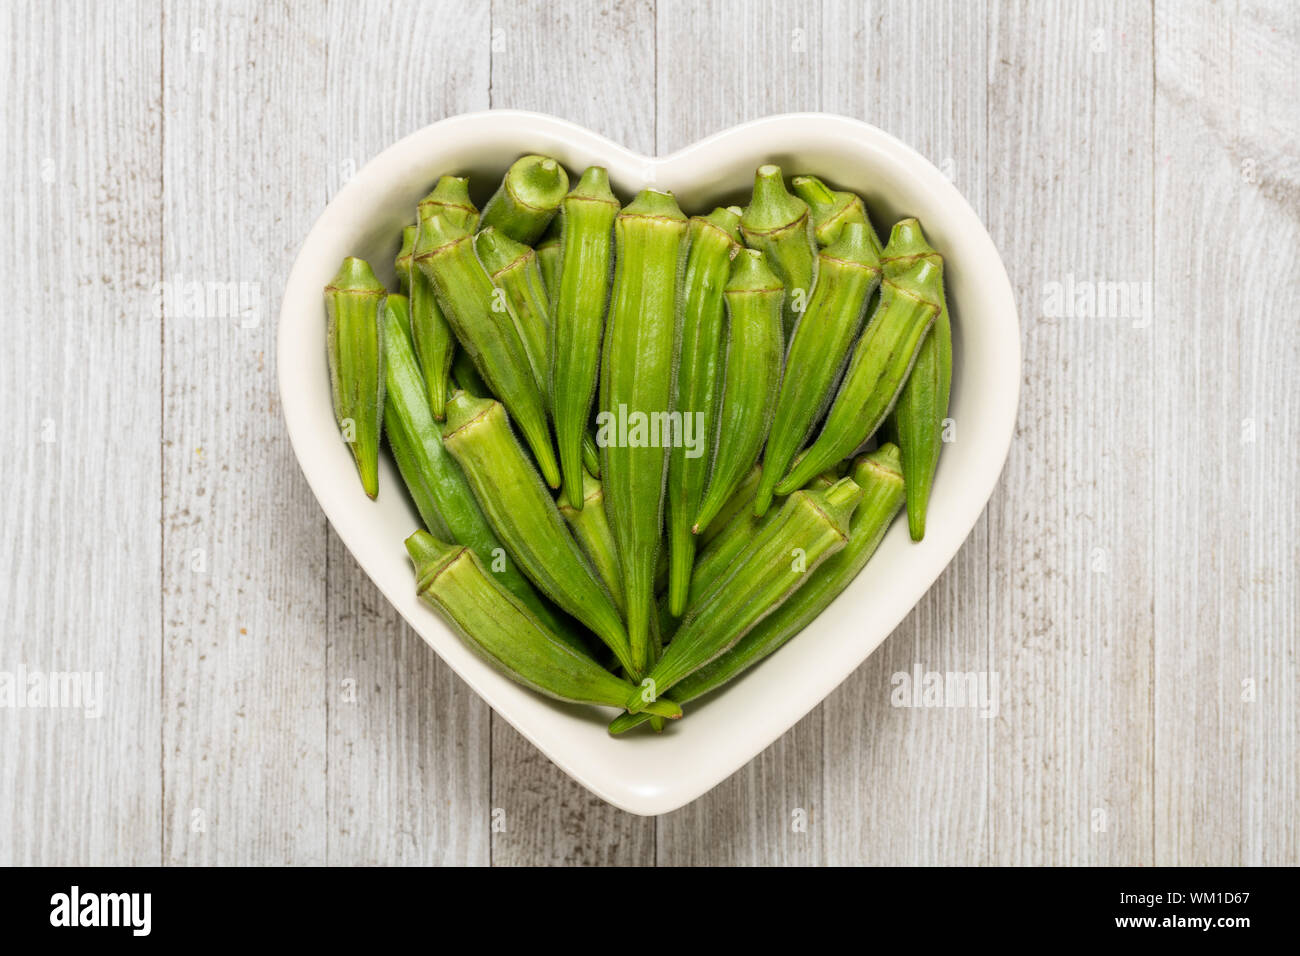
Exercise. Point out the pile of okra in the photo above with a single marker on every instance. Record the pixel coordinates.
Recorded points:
(647, 449)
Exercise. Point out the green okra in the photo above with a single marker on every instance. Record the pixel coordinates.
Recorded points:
(465, 375)
(437, 485)
(753, 375)
(636, 393)
(450, 198)
(435, 343)
(451, 579)
(811, 526)
(525, 517)
(880, 364)
(740, 502)
(354, 308)
(779, 225)
(881, 481)
(923, 403)
(402, 264)
(579, 298)
(488, 330)
(831, 209)
(527, 199)
(514, 270)
(590, 526)
(848, 273)
(548, 255)
(713, 240)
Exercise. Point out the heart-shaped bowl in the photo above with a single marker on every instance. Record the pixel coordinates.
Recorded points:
(642, 772)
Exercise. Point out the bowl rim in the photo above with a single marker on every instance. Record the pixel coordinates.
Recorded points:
(395, 160)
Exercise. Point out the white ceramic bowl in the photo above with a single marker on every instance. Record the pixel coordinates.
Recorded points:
(644, 773)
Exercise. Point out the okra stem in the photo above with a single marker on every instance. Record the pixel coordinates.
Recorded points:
(526, 201)
(831, 209)
(778, 224)
(354, 302)
(450, 198)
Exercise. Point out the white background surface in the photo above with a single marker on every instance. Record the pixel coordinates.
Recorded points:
(1136, 566)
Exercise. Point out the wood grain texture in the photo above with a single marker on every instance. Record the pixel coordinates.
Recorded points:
(590, 63)
(1227, 228)
(243, 565)
(409, 742)
(910, 785)
(79, 88)
(719, 64)
(1132, 583)
(1070, 526)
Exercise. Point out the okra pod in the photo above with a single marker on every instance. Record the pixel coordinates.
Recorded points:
(435, 343)
(465, 375)
(778, 224)
(880, 364)
(831, 209)
(527, 199)
(740, 502)
(451, 579)
(450, 198)
(579, 298)
(713, 240)
(753, 375)
(636, 393)
(487, 329)
(402, 264)
(849, 272)
(590, 526)
(437, 485)
(514, 270)
(354, 307)
(525, 517)
(811, 526)
(881, 481)
(548, 255)
(923, 402)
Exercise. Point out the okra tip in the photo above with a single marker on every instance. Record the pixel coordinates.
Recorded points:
(654, 203)
(435, 232)
(772, 206)
(907, 239)
(497, 251)
(728, 220)
(429, 556)
(594, 184)
(355, 275)
(750, 273)
(854, 244)
(840, 499)
(537, 181)
(887, 459)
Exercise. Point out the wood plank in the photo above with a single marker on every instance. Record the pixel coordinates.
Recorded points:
(79, 375)
(1069, 193)
(409, 742)
(588, 62)
(910, 786)
(719, 64)
(244, 566)
(1227, 608)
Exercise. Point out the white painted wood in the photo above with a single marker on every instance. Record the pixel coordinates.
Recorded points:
(244, 678)
(1227, 608)
(1072, 561)
(1137, 564)
(79, 372)
(409, 742)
